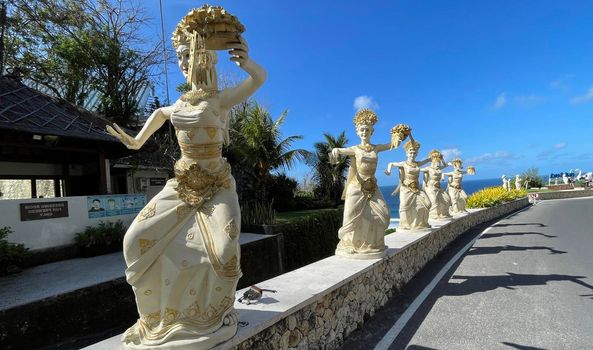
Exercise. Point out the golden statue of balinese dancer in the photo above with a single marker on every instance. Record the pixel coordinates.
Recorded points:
(439, 199)
(414, 204)
(366, 215)
(182, 250)
(456, 192)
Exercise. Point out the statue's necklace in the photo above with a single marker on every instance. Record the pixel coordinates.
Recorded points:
(194, 97)
(366, 148)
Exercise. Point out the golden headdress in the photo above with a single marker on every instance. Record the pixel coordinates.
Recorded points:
(365, 117)
(213, 23)
(435, 154)
(457, 161)
(412, 144)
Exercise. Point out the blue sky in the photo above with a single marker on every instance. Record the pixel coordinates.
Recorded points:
(505, 85)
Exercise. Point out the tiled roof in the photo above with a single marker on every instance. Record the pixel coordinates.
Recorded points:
(25, 109)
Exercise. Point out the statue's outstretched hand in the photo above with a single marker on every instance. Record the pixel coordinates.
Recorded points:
(121, 135)
(238, 51)
(334, 156)
(387, 172)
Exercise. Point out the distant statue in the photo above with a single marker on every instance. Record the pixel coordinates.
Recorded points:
(414, 203)
(517, 182)
(182, 250)
(366, 215)
(565, 179)
(455, 190)
(506, 183)
(439, 199)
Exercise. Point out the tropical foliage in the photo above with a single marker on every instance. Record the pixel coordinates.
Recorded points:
(491, 196)
(257, 149)
(75, 48)
(12, 255)
(329, 178)
(532, 175)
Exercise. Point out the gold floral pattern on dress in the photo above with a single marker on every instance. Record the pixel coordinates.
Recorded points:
(171, 316)
(147, 292)
(152, 319)
(231, 229)
(207, 210)
(182, 210)
(147, 212)
(146, 244)
(197, 186)
(212, 131)
(232, 266)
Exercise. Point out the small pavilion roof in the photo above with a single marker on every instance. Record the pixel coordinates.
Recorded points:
(25, 109)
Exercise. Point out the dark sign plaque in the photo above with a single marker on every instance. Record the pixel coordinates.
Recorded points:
(43, 210)
(158, 181)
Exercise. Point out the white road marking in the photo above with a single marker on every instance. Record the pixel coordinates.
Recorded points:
(401, 322)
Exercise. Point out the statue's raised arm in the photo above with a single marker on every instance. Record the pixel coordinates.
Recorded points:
(257, 75)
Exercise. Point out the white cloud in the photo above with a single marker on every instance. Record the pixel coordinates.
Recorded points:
(551, 152)
(501, 101)
(583, 98)
(563, 83)
(560, 145)
(529, 100)
(450, 154)
(491, 157)
(364, 101)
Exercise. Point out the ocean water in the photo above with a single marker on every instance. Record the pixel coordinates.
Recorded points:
(469, 186)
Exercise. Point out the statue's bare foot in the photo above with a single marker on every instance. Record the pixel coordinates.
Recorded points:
(231, 319)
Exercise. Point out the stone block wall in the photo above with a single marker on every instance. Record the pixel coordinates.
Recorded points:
(324, 321)
(565, 194)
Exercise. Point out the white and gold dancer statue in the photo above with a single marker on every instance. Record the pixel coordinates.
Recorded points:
(414, 204)
(182, 250)
(366, 215)
(439, 199)
(518, 183)
(456, 192)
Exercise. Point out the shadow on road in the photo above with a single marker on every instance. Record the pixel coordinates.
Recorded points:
(476, 284)
(521, 347)
(505, 234)
(418, 347)
(521, 224)
(498, 249)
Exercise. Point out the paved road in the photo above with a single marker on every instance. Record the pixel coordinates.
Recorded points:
(526, 283)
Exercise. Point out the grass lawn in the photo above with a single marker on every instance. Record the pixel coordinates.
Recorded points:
(287, 216)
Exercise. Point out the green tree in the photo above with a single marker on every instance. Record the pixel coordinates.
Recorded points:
(72, 48)
(257, 139)
(257, 148)
(532, 175)
(329, 178)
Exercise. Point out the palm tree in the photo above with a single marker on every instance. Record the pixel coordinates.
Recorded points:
(329, 178)
(257, 138)
(257, 148)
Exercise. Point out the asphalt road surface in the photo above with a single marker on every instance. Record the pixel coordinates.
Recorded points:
(526, 283)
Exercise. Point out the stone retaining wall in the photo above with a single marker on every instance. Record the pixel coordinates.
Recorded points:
(325, 319)
(565, 194)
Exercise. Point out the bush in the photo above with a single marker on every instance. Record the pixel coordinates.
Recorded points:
(491, 196)
(256, 213)
(104, 238)
(12, 255)
(310, 238)
(282, 191)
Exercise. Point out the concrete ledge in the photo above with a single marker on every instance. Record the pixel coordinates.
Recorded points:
(75, 298)
(565, 194)
(319, 305)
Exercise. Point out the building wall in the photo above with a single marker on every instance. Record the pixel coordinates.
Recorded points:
(139, 181)
(53, 232)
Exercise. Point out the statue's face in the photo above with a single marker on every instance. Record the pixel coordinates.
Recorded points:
(364, 132)
(411, 153)
(183, 59)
